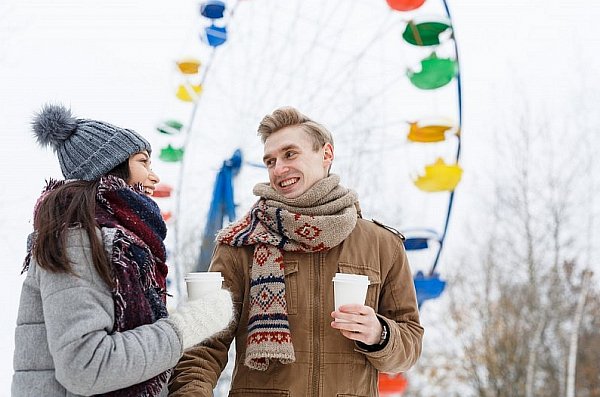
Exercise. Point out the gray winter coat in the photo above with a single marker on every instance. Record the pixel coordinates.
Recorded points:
(63, 340)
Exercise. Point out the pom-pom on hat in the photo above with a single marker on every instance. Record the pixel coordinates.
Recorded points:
(86, 149)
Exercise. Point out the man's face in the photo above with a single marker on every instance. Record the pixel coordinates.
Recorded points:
(292, 163)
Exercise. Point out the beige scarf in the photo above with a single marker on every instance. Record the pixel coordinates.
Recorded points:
(321, 218)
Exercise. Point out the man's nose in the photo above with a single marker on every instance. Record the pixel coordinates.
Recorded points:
(280, 169)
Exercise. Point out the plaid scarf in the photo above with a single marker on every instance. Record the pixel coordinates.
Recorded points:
(138, 264)
(137, 261)
(318, 220)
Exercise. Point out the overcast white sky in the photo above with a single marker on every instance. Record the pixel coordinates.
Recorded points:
(113, 60)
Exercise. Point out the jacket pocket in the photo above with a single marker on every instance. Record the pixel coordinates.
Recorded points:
(259, 392)
(374, 280)
(291, 286)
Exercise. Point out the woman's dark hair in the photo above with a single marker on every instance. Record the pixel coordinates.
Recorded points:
(121, 170)
(72, 204)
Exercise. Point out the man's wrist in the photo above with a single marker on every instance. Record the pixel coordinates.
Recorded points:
(383, 340)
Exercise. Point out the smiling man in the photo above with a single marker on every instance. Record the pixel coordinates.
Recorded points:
(279, 262)
(297, 157)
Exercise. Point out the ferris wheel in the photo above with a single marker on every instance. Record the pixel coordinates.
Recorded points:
(383, 76)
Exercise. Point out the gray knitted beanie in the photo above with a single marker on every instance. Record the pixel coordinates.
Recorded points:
(86, 149)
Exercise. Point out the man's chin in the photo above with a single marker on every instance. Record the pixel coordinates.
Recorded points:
(292, 194)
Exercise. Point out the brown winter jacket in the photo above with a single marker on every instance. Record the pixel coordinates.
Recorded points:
(327, 364)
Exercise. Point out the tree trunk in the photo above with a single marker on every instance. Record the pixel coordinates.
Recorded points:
(531, 361)
(574, 335)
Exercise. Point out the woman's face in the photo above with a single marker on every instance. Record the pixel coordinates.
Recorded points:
(140, 171)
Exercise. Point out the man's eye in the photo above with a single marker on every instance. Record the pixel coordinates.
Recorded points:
(269, 163)
(289, 154)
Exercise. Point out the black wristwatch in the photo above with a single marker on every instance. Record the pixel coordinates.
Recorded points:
(384, 333)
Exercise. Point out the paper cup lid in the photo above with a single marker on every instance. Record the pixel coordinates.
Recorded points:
(351, 278)
(204, 276)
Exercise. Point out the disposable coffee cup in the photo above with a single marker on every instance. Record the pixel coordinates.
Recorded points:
(200, 283)
(349, 288)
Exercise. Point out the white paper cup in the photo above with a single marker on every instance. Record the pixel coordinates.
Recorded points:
(200, 283)
(349, 288)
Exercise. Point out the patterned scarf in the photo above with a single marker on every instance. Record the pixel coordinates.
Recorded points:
(321, 218)
(137, 261)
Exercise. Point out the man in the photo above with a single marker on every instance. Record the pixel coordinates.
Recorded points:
(279, 262)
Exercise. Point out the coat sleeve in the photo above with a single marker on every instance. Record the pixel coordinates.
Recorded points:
(199, 369)
(79, 313)
(398, 308)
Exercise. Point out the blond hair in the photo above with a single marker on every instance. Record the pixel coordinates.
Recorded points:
(288, 116)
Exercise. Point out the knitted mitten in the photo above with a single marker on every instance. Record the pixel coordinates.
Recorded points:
(201, 318)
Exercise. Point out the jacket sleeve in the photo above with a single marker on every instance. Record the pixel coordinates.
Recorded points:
(398, 308)
(79, 311)
(199, 369)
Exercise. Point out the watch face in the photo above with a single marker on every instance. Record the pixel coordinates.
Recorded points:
(384, 333)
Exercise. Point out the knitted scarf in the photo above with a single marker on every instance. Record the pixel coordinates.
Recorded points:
(137, 259)
(321, 218)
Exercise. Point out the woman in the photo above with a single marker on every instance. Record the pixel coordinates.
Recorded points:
(92, 317)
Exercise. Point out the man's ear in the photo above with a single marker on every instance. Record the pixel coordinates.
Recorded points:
(327, 154)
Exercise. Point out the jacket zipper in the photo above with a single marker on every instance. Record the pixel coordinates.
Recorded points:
(316, 326)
